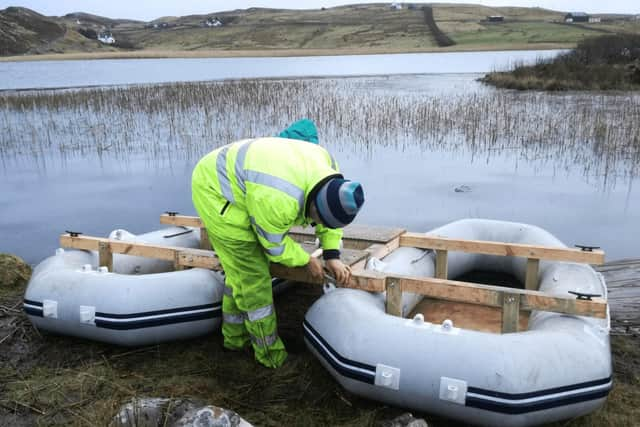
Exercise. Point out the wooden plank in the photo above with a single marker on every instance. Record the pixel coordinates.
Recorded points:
(376, 250)
(535, 300)
(531, 280)
(199, 258)
(450, 290)
(204, 240)
(420, 240)
(510, 312)
(393, 304)
(181, 220)
(492, 296)
(355, 236)
(105, 256)
(119, 247)
(176, 262)
(366, 280)
(442, 266)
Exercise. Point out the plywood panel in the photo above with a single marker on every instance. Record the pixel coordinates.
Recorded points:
(466, 316)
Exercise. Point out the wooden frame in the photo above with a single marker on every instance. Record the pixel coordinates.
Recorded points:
(512, 301)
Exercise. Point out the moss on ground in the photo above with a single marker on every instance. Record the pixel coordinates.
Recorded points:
(54, 380)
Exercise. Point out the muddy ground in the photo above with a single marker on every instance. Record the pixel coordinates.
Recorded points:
(47, 379)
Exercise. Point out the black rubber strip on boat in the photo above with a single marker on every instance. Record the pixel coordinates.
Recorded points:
(215, 305)
(161, 321)
(318, 342)
(37, 310)
(521, 408)
(539, 393)
(28, 301)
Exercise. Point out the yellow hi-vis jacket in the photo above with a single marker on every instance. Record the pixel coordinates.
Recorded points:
(259, 187)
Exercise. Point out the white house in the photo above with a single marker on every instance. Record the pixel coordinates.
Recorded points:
(106, 38)
(396, 6)
(213, 22)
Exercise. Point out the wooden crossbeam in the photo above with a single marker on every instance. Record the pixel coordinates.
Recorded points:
(493, 296)
(420, 240)
(184, 257)
(355, 236)
(181, 220)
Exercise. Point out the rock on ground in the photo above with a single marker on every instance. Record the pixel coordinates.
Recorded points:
(405, 420)
(154, 412)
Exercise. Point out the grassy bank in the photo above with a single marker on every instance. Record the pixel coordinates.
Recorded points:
(604, 63)
(54, 380)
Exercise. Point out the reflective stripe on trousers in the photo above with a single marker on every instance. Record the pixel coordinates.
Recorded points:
(260, 313)
(267, 341)
(236, 319)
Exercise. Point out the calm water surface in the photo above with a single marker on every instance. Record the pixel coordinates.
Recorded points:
(57, 74)
(43, 193)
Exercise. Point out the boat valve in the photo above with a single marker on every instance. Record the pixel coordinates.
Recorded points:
(329, 283)
(171, 213)
(585, 248)
(73, 233)
(584, 296)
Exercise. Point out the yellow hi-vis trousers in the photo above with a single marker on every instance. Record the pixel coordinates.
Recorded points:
(248, 314)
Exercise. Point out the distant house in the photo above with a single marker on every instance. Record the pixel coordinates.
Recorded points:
(495, 18)
(213, 22)
(396, 6)
(106, 38)
(593, 19)
(576, 17)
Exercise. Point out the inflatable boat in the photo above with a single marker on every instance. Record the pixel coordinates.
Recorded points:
(143, 301)
(447, 359)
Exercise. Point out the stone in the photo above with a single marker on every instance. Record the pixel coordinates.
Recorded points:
(405, 420)
(156, 412)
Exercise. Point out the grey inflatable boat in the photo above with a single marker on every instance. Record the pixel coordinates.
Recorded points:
(445, 359)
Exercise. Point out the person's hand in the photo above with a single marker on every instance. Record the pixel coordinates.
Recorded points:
(314, 267)
(339, 270)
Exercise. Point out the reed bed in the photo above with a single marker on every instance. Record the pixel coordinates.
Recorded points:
(598, 132)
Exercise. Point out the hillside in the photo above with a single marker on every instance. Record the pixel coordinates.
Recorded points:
(365, 28)
(21, 29)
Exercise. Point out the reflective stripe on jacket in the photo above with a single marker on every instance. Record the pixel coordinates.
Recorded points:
(267, 182)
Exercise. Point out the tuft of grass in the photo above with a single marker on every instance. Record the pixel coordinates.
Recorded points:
(14, 274)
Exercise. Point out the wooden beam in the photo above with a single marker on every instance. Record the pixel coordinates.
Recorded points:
(510, 312)
(355, 236)
(493, 296)
(105, 256)
(393, 305)
(376, 250)
(442, 266)
(531, 279)
(119, 247)
(181, 220)
(204, 240)
(420, 240)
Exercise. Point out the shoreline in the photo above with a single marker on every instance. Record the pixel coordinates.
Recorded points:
(181, 54)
